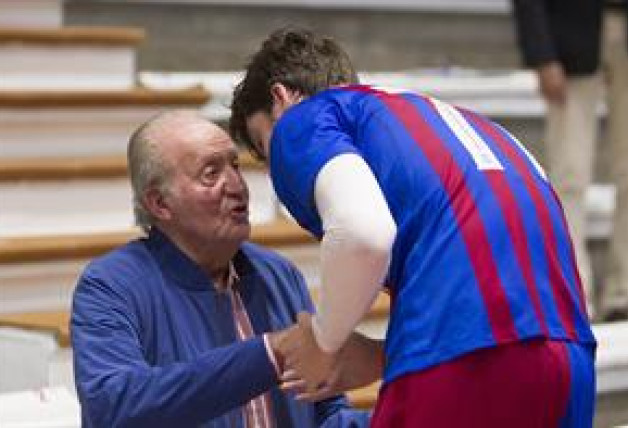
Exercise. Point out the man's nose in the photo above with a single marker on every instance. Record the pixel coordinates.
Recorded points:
(234, 181)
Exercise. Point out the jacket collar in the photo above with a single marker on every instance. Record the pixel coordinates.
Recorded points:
(185, 272)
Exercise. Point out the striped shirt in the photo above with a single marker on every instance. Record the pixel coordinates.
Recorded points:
(258, 411)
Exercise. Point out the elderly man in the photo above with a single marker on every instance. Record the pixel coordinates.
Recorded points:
(180, 328)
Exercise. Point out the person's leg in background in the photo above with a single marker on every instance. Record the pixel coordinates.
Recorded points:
(570, 139)
(615, 60)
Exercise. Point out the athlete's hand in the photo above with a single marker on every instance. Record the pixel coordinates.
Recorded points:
(359, 363)
(307, 367)
(279, 342)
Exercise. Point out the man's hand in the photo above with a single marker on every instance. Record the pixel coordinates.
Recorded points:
(302, 357)
(359, 363)
(278, 342)
(553, 82)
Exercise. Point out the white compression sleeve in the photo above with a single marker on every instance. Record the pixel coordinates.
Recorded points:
(359, 232)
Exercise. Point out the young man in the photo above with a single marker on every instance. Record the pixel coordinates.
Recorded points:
(181, 328)
(488, 325)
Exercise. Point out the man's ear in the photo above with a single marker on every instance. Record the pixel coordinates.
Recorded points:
(283, 98)
(156, 204)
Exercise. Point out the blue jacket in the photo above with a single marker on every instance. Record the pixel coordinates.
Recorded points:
(155, 344)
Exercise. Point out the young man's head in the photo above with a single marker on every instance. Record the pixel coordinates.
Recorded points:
(291, 64)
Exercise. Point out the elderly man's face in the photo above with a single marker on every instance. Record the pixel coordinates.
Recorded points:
(207, 197)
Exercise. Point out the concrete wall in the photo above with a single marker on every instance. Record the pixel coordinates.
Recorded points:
(216, 37)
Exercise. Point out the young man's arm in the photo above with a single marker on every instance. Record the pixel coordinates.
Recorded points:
(359, 232)
(331, 408)
(538, 48)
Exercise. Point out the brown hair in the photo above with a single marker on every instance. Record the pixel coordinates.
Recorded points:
(297, 58)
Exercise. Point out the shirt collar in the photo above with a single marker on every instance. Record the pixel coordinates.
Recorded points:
(232, 279)
(184, 271)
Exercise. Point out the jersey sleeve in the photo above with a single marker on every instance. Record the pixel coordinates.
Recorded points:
(305, 138)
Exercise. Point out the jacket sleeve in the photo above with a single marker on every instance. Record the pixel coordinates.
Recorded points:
(534, 33)
(117, 387)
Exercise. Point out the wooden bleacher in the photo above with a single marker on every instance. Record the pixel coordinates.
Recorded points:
(54, 322)
(51, 248)
(108, 36)
(62, 168)
(75, 167)
(95, 98)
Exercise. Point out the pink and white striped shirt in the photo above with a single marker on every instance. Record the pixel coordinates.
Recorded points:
(258, 411)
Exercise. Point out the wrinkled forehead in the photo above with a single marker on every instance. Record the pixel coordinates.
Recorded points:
(195, 133)
(186, 142)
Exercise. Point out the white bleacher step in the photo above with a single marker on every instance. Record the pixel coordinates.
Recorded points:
(81, 123)
(70, 58)
(65, 207)
(31, 13)
(600, 204)
(53, 407)
(612, 356)
(93, 194)
(21, 350)
(39, 272)
(496, 93)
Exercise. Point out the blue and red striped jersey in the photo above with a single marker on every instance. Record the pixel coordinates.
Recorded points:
(482, 255)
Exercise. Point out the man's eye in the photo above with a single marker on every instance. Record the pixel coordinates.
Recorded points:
(209, 175)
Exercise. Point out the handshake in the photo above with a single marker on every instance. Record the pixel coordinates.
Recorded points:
(314, 374)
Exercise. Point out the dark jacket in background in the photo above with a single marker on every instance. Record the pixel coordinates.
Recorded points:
(568, 31)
